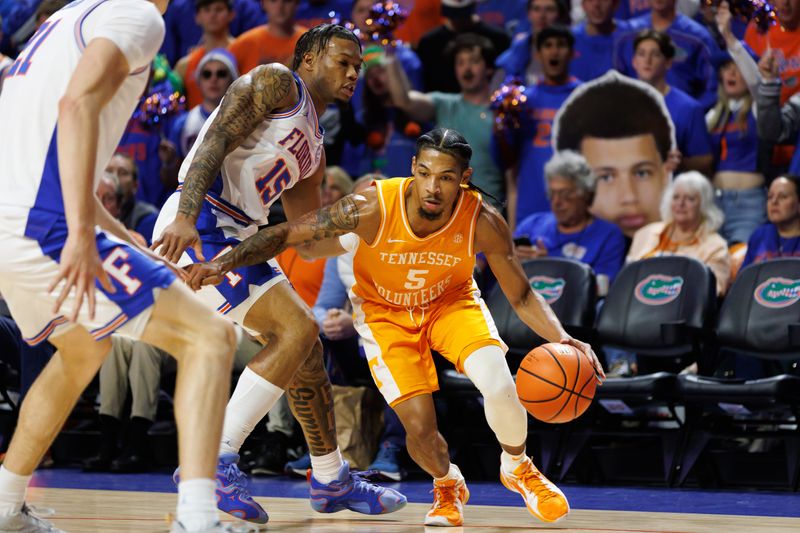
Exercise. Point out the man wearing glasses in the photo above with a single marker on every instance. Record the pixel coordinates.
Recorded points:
(214, 74)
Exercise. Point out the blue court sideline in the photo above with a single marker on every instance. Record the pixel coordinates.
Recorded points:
(481, 493)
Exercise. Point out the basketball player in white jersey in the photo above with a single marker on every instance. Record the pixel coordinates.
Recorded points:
(263, 142)
(73, 275)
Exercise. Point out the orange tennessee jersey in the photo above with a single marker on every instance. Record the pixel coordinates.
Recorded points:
(402, 270)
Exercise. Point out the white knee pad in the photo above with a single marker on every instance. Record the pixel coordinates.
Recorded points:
(486, 367)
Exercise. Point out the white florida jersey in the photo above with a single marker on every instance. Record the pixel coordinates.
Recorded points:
(37, 80)
(285, 149)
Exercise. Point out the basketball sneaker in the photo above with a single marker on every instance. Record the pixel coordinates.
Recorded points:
(26, 522)
(177, 527)
(449, 499)
(542, 498)
(232, 494)
(352, 491)
(386, 463)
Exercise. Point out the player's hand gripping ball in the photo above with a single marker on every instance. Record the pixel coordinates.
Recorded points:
(556, 383)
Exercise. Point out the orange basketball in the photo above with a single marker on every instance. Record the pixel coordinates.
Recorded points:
(555, 383)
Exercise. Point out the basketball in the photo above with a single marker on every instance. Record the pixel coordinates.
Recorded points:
(556, 383)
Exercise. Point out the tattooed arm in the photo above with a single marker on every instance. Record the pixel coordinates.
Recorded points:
(247, 103)
(356, 213)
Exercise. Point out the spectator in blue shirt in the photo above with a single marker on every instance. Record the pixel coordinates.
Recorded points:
(530, 145)
(511, 15)
(652, 59)
(692, 70)
(520, 60)
(780, 237)
(594, 39)
(734, 135)
(183, 32)
(135, 214)
(314, 12)
(628, 9)
(570, 230)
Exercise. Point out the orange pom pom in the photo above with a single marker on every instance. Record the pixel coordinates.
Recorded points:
(376, 140)
(412, 129)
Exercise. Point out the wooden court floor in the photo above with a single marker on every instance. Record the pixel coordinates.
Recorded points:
(77, 511)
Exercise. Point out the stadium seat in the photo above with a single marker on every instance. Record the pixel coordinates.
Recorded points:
(571, 290)
(567, 285)
(662, 308)
(759, 319)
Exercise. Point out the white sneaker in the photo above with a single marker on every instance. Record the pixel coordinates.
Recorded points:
(26, 522)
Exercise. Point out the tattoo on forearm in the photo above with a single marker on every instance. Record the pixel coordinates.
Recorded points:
(338, 219)
(246, 104)
(311, 401)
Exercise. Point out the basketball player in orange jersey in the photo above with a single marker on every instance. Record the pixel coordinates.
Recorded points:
(414, 242)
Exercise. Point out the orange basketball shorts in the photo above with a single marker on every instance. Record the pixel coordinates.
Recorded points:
(398, 341)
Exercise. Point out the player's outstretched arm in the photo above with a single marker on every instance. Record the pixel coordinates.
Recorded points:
(493, 238)
(356, 213)
(249, 100)
(99, 74)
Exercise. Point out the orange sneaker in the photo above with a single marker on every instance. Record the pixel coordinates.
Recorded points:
(449, 498)
(542, 498)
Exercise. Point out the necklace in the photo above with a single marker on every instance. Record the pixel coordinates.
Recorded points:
(789, 253)
(686, 241)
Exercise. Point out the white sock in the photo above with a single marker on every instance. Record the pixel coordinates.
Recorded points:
(511, 462)
(452, 473)
(253, 397)
(326, 467)
(197, 504)
(12, 491)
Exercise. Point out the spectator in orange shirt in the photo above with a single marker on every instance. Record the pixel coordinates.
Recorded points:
(784, 41)
(271, 43)
(422, 18)
(215, 17)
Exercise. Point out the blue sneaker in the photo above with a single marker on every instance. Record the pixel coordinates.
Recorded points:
(386, 464)
(299, 467)
(352, 491)
(232, 494)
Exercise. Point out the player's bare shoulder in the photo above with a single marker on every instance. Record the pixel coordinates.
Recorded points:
(491, 232)
(264, 90)
(274, 88)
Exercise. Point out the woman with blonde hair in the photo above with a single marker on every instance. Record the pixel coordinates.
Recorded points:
(731, 122)
(690, 220)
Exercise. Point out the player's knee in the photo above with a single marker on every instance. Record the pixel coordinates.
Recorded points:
(419, 431)
(215, 338)
(305, 331)
(498, 389)
(486, 367)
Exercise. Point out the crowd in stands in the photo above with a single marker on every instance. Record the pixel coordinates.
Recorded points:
(648, 128)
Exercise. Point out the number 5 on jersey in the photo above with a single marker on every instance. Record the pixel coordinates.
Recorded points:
(416, 279)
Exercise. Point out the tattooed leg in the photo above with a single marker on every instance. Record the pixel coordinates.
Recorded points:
(311, 400)
(290, 333)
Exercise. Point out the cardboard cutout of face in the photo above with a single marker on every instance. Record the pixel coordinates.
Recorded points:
(622, 127)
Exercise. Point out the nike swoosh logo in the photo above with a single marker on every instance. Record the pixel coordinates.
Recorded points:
(395, 240)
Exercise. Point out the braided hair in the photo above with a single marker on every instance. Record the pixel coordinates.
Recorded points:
(450, 142)
(317, 38)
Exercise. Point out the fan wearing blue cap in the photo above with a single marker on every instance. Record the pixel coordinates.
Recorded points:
(732, 124)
